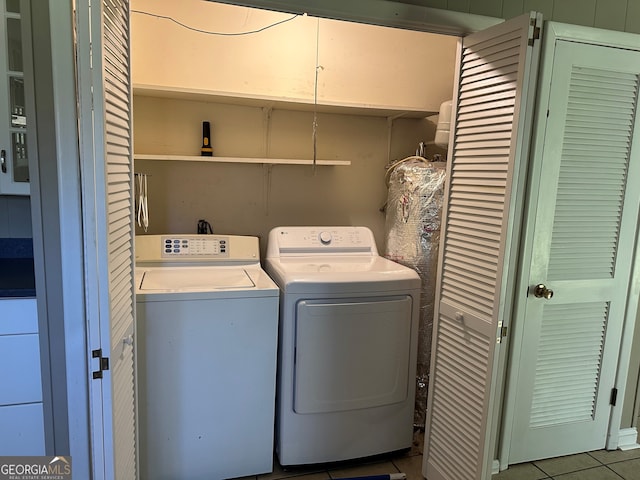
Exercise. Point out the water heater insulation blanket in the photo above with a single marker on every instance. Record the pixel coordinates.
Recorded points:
(412, 226)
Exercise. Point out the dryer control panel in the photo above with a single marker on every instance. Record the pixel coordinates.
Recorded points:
(285, 241)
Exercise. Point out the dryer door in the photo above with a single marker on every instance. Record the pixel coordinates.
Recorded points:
(351, 354)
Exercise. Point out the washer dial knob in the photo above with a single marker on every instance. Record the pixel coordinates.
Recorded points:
(325, 238)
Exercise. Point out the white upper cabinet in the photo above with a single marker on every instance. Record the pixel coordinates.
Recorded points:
(300, 60)
(384, 68)
(277, 63)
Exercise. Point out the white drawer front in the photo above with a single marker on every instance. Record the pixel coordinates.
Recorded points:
(22, 430)
(20, 369)
(18, 315)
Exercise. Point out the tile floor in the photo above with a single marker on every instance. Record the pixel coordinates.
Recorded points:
(409, 462)
(598, 465)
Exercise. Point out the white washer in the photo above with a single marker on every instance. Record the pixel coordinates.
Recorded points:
(348, 341)
(207, 328)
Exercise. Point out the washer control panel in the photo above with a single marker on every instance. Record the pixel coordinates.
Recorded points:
(190, 246)
(196, 248)
(321, 240)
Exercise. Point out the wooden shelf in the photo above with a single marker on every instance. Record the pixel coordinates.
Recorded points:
(279, 102)
(269, 161)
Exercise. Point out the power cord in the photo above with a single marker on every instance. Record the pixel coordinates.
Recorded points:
(258, 30)
(204, 227)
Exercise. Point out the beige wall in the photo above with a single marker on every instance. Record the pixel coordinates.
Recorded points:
(250, 199)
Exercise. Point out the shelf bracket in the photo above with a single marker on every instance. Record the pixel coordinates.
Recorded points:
(267, 168)
(266, 125)
(390, 121)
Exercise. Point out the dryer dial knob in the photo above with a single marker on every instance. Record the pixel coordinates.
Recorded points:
(325, 238)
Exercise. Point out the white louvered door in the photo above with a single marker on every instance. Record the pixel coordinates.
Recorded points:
(119, 158)
(585, 224)
(118, 146)
(107, 146)
(481, 218)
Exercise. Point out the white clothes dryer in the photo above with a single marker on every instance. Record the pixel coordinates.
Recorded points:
(348, 342)
(207, 328)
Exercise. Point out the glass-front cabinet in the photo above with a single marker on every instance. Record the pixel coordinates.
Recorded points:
(14, 165)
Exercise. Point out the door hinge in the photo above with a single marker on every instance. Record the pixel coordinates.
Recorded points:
(502, 332)
(535, 36)
(103, 363)
(614, 397)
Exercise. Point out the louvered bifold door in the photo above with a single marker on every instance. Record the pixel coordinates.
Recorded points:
(487, 163)
(105, 132)
(113, 130)
(583, 241)
(119, 155)
(118, 150)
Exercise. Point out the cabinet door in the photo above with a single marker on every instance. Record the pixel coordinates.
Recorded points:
(381, 67)
(18, 316)
(20, 369)
(21, 415)
(14, 167)
(22, 428)
(277, 64)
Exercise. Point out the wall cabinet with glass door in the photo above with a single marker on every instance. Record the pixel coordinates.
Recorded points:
(14, 165)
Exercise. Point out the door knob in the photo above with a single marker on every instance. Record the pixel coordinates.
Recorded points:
(541, 291)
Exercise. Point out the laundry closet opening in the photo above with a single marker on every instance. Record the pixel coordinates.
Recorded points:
(282, 92)
(305, 114)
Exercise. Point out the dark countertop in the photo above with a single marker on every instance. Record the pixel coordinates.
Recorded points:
(16, 268)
